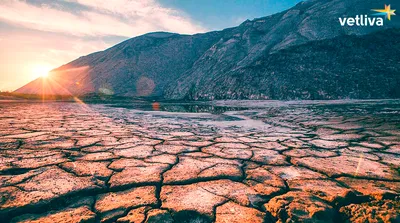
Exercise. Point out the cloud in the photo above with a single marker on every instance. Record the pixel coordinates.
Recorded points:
(98, 18)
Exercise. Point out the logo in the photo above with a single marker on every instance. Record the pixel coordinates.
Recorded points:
(364, 20)
(387, 12)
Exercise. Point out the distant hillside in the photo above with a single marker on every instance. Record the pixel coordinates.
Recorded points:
(344, 67)
(232, 63)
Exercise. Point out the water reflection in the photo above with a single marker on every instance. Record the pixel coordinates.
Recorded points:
(178, 107)
(155, 106)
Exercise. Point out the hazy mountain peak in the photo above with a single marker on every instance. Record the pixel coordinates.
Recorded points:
(160, 34)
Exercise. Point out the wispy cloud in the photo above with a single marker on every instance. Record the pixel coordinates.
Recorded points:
(99, 18)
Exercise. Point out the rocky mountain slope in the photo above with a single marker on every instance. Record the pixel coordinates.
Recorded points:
(226, 64)
(344, 67)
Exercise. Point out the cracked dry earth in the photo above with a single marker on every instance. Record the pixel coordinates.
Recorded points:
(68, 162)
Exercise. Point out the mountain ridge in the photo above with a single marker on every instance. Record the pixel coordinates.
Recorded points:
(159, 63)
(346, 67)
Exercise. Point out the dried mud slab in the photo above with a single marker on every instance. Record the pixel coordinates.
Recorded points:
(84, 168)
(175, 149)
(42, 188)
(191, 197)
(101, 156)
(376, 189)
(300, 207)
(325, 189)
(73, 215)
(265, 156)
(190, 170)
(235, 191)
(148, 174)
(33, 163)
(295, 173)
(158, 215)
(348, 165)
(232, 151)
(264, 182)
(113, 205)
(325, 144)
(138, 152)
(308, 152)
(137, 215)
(234, 213)
(386, 211)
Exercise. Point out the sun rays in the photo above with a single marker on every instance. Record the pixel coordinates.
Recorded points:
(41, 70)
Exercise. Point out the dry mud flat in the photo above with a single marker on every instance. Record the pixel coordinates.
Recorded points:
(69, 162)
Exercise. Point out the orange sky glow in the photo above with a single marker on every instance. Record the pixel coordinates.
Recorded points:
(37, 37)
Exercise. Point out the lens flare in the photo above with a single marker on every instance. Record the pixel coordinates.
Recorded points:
(41, 70)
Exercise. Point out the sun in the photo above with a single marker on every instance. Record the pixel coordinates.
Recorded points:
(41, 70)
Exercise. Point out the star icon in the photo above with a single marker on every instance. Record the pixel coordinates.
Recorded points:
(388, 12)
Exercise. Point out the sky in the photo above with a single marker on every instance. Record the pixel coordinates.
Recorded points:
(37, 36)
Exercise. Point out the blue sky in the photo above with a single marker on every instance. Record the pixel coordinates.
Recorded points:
(219, 14)
(39, 35)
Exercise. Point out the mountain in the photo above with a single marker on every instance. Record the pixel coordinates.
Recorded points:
(140, 66)
(340, 68)
(293, 54)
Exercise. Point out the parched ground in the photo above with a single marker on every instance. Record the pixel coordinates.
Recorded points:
(70, 162)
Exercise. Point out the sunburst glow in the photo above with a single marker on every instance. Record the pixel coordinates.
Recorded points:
(41, 70)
